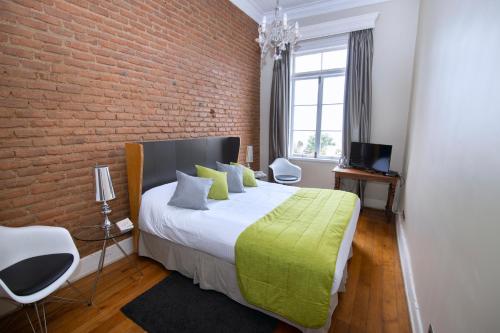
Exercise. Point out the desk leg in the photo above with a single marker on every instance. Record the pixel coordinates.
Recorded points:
(390, 201)
(337, 182)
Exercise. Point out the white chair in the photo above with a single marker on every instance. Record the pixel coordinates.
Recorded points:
(285, 172)
(34, 262)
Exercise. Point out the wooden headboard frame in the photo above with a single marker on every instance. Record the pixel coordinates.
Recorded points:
(154, 163)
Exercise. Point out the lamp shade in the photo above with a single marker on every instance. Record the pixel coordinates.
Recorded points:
(103, 186)
(249, 154)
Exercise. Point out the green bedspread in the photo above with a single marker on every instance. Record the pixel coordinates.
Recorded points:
(286, 260)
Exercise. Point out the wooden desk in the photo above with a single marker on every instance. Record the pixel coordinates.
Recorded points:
(369, 176)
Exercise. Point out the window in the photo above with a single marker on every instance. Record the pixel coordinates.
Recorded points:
(317, 103)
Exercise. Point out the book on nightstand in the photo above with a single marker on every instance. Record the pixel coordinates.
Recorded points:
(125, 225)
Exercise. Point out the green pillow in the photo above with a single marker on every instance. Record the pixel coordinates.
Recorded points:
(248, 176)
(219, 189)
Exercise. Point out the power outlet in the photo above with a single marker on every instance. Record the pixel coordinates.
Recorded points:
(430, 329)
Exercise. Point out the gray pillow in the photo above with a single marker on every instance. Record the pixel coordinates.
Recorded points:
(234, 177)
(191, 192)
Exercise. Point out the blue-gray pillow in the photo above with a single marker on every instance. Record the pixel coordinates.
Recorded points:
(234, 176)
(191, 192)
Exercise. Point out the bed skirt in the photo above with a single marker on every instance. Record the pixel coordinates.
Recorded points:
(213, 273)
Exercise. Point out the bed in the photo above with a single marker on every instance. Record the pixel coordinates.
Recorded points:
(201, 244)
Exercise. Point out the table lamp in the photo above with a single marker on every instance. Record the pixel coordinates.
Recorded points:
(104, 191)
(249, 155)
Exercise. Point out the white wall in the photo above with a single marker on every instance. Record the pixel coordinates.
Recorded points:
(394, 42)
(266, 77)
(452, 222)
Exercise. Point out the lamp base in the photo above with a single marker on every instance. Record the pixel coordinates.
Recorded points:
(106, 210)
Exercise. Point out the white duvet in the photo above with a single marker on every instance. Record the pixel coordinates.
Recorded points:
(216, 230)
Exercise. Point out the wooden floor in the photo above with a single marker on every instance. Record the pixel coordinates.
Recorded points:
(374, 300)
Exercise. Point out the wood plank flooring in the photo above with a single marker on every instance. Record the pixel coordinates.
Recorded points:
(374, 300)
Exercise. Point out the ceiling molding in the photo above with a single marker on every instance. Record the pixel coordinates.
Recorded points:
(319, 7)
(250, 8)
(311, 8)
(339, 26)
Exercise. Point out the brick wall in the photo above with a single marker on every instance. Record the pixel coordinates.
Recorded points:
(80, 78)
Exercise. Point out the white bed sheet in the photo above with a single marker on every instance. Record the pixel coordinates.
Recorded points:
(216, 230)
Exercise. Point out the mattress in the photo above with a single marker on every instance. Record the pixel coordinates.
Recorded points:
(216, 230)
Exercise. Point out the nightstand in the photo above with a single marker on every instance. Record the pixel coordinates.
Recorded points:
(97, 233)
(260, 175)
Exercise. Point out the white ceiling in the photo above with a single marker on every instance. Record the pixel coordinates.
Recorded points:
(298, 8)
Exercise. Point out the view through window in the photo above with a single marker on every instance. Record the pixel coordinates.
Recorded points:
(317, 104)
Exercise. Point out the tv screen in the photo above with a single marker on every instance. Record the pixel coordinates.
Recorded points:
(370, 156)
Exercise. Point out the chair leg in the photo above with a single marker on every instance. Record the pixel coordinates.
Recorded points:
(41, 314)
(29, 320)
(42, 321)
(44, 317)
(40, 318)
(59, 299)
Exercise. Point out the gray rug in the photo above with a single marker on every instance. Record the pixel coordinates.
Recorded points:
(177, 305)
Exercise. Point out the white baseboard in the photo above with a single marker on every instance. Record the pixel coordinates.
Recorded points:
(411, 295)
(88, 264)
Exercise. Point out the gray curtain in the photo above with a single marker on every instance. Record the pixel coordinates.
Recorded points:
(357, 98)
(280, 101)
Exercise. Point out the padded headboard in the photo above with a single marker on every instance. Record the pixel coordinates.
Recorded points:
(153, 163)
(163, 158)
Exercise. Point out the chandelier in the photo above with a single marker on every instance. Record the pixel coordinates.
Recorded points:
(277, 35)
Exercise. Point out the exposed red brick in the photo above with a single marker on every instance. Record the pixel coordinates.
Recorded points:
(79, 79)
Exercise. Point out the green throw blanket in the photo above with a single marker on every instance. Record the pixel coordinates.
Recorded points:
(286, 260)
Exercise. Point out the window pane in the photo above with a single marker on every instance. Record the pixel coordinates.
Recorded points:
(333, 90)
(331, 144)
(306, 92)
(331, 117)
(304, 118)
(308, 63)
(334, 59)
(303, 143)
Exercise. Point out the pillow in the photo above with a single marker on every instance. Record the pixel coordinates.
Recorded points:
(248, 176)
(191, 192)
(219, 189)
(234, 176)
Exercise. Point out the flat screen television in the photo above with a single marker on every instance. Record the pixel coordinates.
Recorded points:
(370, 156)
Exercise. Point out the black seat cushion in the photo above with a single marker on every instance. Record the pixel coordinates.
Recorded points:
(287, 178)
(36, 273)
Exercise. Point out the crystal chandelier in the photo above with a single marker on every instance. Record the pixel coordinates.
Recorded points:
(277, 35)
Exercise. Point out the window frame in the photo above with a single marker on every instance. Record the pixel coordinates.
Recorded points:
(320, 75)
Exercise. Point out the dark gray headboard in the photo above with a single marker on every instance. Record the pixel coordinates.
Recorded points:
(163, 158)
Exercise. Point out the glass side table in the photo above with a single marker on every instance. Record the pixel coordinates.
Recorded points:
(97, 233)
(260, 175)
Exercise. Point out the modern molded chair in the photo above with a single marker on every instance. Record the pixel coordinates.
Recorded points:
(285, 172)
(34, 262)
